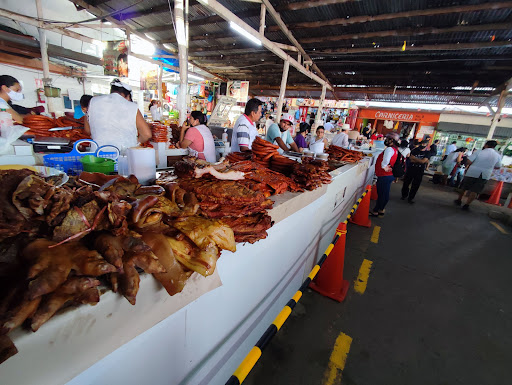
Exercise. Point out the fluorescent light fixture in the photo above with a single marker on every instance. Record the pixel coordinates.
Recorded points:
(195, 77)
(149, 36)
(168, 46)
(244, 33)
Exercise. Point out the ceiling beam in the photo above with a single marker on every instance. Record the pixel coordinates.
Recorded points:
(293, 40)
(409, 32)
(219, 9)
(144, 12)
(398, 15)
(310, 4)
(432, 47)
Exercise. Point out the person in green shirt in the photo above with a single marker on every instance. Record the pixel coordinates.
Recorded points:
(280, 134)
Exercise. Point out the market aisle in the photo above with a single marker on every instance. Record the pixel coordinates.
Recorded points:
(436, 309)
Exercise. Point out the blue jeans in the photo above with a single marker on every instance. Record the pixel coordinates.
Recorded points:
(383, 187)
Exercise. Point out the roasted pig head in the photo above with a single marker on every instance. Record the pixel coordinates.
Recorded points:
(176, 275)
(187, 253)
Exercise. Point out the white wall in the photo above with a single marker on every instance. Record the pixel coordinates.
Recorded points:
(474, 120)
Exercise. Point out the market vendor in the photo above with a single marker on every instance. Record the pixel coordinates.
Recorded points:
(156, 110)
(10, 90)
(300, 138)
(319, 142)
(281, 136)
(244, 130)
(115, 120)
(197, 137)
(341, 139)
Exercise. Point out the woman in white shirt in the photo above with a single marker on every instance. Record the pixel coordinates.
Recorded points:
(319, 142)
(156, 110)
(10, 89)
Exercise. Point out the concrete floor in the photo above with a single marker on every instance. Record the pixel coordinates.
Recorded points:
(437, 308)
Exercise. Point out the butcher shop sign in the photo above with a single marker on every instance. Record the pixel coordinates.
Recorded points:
(394, 116)
(400, 116)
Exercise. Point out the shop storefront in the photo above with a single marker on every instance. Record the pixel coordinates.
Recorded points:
(409, 124)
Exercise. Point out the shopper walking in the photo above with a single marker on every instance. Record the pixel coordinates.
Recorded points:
(418, 161)
(384, 172)
(479, 172)
(451, 161)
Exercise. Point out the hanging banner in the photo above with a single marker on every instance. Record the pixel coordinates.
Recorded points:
(303, 111)
(149, 79)
(115, 59)
(239, 90)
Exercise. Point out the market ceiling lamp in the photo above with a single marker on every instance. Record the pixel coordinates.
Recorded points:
(244, 33)
(192, 76)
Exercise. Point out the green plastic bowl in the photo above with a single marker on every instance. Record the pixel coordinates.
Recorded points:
(93, 163)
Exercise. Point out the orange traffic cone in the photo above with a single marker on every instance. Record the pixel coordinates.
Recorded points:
(329, 281)
(495, 196)
(361, 216)
(374, 195)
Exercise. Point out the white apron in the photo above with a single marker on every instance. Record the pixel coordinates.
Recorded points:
(317, 147)
(209, 144)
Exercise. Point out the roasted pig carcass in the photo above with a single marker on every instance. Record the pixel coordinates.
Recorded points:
(197, 168)
(71, 290)
(12, 222)
(250, 228)
(176, 274)
(152, 210)
(127, 253)
(205, 232)
(79, 221)
(50, 267)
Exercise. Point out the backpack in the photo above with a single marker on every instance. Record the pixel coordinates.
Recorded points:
(399, 166)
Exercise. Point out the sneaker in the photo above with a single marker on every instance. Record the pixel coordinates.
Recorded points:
(458, 202)
(403, 198)
(411, 202)
(374, 214)
(381, 213)
(465, 207)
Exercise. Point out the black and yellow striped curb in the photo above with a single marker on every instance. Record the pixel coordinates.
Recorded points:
(254, 355)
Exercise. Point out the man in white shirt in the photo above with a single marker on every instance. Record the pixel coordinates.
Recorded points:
(329, 126)
(341, 139)
(480, 169)
(451, 148)
(244, 130)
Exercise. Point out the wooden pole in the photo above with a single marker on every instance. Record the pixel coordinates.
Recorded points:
(47, 81)
(497, 115)
(282, 91)
(262, 19)
(318, 118)
(181, 36)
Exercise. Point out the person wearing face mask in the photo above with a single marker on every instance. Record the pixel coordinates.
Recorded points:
(10, 91)
(419, 160)
(384, 172)
(115, 120)
(281, 136)
(197, 137)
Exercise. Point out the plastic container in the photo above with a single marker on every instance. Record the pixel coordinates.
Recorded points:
(93, 163)
(70, 162)
(225, 135)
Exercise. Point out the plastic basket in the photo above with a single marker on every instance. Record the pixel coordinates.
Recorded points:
(70, 162)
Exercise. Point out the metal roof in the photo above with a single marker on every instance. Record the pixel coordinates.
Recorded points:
(448, 43)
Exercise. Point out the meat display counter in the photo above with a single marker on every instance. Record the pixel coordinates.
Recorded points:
(202, 334)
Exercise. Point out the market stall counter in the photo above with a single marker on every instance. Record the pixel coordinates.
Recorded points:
(200, 335)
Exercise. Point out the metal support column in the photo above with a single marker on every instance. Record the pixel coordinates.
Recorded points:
(497, 115)
(318, 118)
(181, 37)
(44, 53)
(282, 90)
